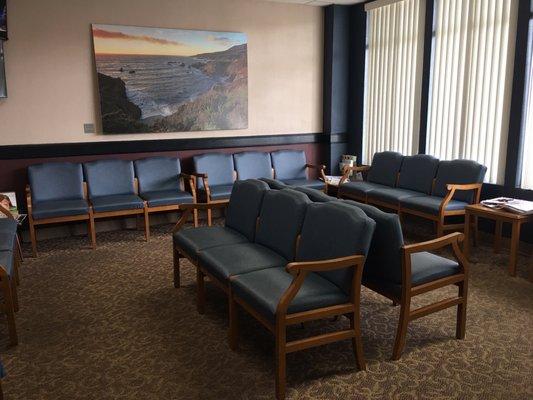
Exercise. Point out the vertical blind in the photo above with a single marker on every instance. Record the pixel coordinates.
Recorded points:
(393, 76)
(471, 79)
(527, 159)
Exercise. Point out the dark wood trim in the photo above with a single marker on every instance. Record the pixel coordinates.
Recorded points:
(26, 151)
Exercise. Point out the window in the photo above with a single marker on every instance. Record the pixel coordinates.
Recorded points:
(395, 37)
(527, 160)
(470, 92)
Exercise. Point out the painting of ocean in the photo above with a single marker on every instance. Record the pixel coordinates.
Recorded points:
(170, 80)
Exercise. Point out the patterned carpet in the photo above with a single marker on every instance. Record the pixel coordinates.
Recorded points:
(108, 324)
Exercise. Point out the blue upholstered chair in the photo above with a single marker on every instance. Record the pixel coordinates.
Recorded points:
(253, 165)
(215, 174)
(401, 272)
(291, 167)
(275, 184)
(56, 194)
(315, 195)
(112, 191)
(162, 184)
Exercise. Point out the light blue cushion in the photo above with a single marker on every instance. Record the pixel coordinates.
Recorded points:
(158, 174)
(316, 196)
(458, 172)
(385, 167)
(6, 261)
(117, 203)
(193, 240)
(274, 184)
(418, 172)
(392, 195)
(427, 267)
(430, 204)
(360, 188)
(289, 164)
(310, 183)
(218, 192)
(167, 198)
(109, 177)
(226, 261)
(8, 225)
(252, 165)
(7, 241)
(262, 290)
(218, 167)
(60, 208)
(55, 181)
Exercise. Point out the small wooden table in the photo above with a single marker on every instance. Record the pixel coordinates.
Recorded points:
(500, 216)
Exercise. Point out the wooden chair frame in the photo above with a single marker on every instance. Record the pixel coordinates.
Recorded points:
(409, 291)
(208, 200)
(438, 219)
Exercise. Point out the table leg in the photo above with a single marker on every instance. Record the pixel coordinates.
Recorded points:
(466, 244)
(515, 241)
(498, 236)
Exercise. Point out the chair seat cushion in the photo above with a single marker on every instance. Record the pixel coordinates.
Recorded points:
(193, 240)
(6, 261)
(7, 241)
(117, 202)
(226, 261)
(361, 188)
(427, 267)
(392, 195)
(310, 183)
(8, 225)
(430, 204)
(167, 198)
(218, 192)
(59, 208)
(262, 290)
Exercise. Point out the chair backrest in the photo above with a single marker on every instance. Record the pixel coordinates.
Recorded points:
(244, 206)
(458, 172)
(384, 256)
(157, 174)
(274, 183)
(109, 177)
(280, 221)
(289, 164)
(252, 165)
(218, 167)
(334, 230)
(56, 181)
(418, 172)
(385, 167)
(315, 195)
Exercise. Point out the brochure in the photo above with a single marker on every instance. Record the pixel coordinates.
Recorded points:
(517, 206)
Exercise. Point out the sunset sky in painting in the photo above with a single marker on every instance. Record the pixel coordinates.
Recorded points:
(114, 39)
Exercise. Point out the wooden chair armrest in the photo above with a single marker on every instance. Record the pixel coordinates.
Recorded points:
(356, 168)
(325, 265)
(205, 206)
(186, 176)
(319, 167)
(434, 244)
(198, 175)
(471, 186)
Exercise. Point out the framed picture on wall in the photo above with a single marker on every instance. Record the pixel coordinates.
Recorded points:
(170, 80)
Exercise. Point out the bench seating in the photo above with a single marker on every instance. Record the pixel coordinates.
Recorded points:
(300, 261)
(419, 185)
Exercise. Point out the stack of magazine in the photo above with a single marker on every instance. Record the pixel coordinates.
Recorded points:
(8, 201)
(508, 204)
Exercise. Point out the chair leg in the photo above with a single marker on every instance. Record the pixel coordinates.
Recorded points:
(209, 217)
(460, 329)
(9, 310)
(281, 361)
(19, 248)
(357, 342)
(195, 216)
(233, 322)
(440, 229)
(33, 239)
(401, 332)
(16, 265)
(200, 291)
(476, 231)
(177, 279)
(91, 230)
(14, 295)
(146, 224)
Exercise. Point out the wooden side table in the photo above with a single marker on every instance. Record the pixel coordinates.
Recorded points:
(477, 211)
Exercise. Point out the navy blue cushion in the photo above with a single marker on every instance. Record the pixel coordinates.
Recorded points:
(263, 289)
(56, 181)
(458, 172)
(289, 164)
(310, 183)
(384, 256)
(6, 261)
(8, 225)
(252, 165)
(117, 203)
(158, 174)
(317, 196)
(418, 172)
(274, 183)
(59, 208)
(427, 267)
(109, 177)
(218, 192)
(218, 167)
(360, 188)
(244, 206)
(280, 221)
(430, 204)
(385, 167)
(193, 240)
(334, 230)
(167, 197)
(7, 241)
(226, 261)
(392, 195)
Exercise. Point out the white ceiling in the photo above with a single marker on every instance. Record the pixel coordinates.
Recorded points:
(318, 2)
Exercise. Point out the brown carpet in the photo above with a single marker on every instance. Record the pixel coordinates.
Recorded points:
(108, 324)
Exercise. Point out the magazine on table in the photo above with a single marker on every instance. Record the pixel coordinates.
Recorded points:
(509, 204)
(8, 201)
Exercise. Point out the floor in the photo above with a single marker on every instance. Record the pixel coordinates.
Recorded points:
(108, 324)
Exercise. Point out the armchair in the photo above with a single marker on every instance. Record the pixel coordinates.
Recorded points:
(253, 165)
(291, 167)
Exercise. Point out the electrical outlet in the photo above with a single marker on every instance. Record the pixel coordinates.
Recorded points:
(88, 128)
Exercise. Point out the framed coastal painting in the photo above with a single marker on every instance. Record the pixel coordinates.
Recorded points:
(170, 80)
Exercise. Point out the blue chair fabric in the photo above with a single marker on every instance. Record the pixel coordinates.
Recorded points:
(252, 165)
(430, 204)
(392, 195)
(310, 183)
(158, 174)
(56, 181)
(274, 183)
(458, 172)
(194, 240)
(167, 197)
(417, 173)
(289, 164)
(385, 167)
(109, 178)
(117, 203)
(316, 196)
(218, 167)
(6, 261)
(59, 208)
(361, 188)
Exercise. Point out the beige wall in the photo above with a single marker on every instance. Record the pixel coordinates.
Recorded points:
(51, 78)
